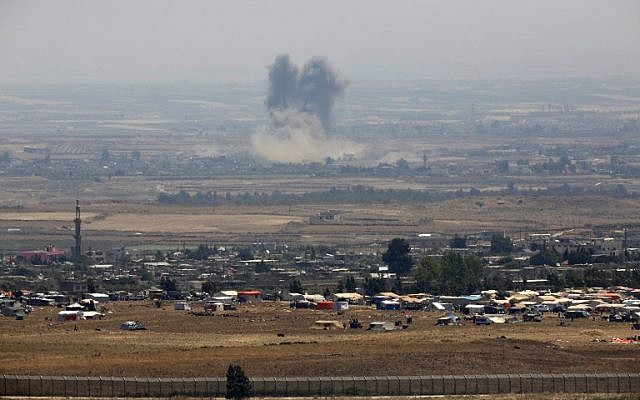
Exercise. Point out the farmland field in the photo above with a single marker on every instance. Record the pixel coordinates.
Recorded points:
(107, 222)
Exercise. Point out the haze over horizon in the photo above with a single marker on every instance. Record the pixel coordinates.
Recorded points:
(148, 41)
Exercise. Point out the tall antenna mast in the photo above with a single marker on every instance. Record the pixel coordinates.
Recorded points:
(77, 249)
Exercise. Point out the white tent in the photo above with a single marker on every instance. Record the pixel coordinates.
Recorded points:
(475, 308)
(67, 315)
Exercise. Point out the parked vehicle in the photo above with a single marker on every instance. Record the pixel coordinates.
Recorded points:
(132, 326)
(576, 314)
(559, 309)
(481, 320)
(532, 317)
(542, 308)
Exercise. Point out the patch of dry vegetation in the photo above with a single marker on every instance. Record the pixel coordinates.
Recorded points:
(180, 344)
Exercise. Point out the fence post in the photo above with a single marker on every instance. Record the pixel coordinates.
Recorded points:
(586, 383)
(531, 383)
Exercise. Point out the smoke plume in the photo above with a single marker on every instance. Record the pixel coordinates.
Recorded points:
(283, 79)
(318, 88)
(300, 106)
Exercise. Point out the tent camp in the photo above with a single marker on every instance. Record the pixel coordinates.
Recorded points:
(314, 298)
(327, 325)
(389, 305)
(381, 326)
(74, 307)
(449, 319)
(442, 306)
(101, 297)
(214, 306)
(69, 315)
(92, 315)
(472, 309)
(352, 298)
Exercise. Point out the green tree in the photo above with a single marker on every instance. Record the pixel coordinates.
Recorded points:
(295, 286)
(374, 285)
(397, 286)
(460, 274)
(458, 242)
(452, 274)
(545, 257)
(350, 284)
(262, 267)
(397, 256)
(245, 253)
(501, 244)
(238, 385)
(145, 274)
(210, 287)
(428, 275)
(167, 284)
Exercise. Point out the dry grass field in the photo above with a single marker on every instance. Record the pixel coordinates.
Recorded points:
(138, 223)
(270, 339)
(193, 223)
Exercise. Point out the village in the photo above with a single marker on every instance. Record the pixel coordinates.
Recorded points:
(561, 277)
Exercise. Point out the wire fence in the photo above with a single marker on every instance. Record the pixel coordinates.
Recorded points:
(76, 386)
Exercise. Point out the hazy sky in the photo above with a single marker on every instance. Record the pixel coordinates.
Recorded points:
(366, 39)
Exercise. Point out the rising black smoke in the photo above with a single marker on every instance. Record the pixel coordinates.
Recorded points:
(283, 84)
(300, 105)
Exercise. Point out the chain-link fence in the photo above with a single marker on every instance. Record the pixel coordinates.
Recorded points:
(75, 386)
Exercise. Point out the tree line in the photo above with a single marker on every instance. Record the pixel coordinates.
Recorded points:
(361, 194)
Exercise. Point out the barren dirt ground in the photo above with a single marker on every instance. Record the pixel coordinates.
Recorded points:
(270, 339)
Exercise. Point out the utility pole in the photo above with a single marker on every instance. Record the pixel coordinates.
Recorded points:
(77, 249)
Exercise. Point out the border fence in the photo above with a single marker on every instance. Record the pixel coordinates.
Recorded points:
(96, 386)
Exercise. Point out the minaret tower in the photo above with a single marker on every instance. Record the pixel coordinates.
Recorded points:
(77, 249)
